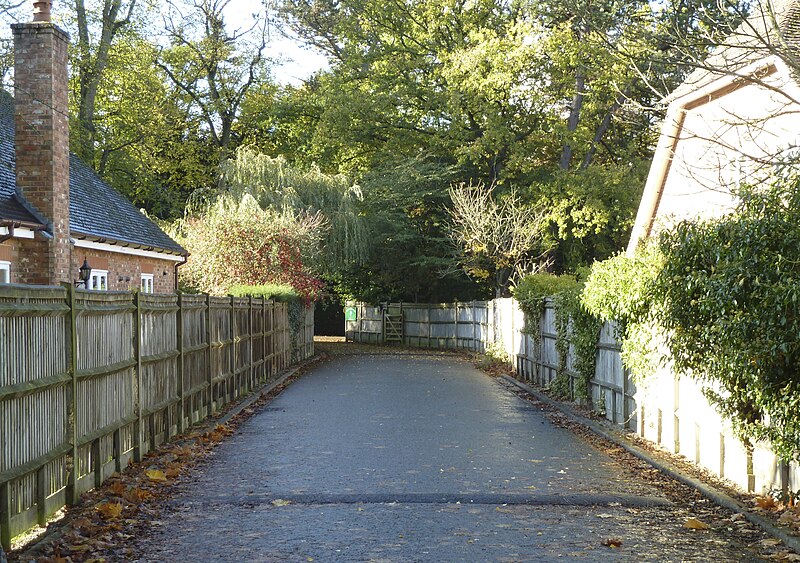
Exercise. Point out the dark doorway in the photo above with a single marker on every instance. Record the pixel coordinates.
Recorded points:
(329, 318)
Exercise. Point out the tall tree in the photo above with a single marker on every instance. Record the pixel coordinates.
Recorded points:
(98, 26)
(212, 65)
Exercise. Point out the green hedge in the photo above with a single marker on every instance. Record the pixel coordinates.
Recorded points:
(276, 292)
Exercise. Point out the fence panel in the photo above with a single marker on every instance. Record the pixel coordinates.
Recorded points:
(159, 366)
(195, 357)
(104, 383)
(129, 369)
(34, 389)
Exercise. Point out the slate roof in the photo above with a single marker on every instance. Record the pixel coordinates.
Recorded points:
(97, 211)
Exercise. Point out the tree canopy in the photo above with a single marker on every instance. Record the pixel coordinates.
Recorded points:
(553, 101)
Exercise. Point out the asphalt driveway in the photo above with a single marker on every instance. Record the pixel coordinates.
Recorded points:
(415, 458)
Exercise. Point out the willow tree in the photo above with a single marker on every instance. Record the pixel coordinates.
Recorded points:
(276, 185)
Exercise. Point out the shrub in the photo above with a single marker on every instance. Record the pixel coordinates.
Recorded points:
(237, 243)
(276, 292)
(533, 289)
(722, 295)
(730, 289)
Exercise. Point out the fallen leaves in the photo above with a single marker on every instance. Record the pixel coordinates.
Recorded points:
(136, 495)
(695, 524)
(785, 556)
(173, 470)
(102, 526)
(109, 510)
(766, 503)
(156, 475)
(612, 542)
(281, 502)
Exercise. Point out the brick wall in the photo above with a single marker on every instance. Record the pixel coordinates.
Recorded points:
(42, 143)
(22, 255)
(27, 257)
(125, 271)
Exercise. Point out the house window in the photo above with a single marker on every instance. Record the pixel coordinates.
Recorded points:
(147, 283)
(5, 271)
(99, 280)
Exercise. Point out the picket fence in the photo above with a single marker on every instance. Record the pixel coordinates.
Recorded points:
(669, 410)
(90, 381)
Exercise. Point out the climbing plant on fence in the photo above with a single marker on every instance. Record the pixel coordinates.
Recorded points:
(722, 295)
(575, 326)
(620, 290)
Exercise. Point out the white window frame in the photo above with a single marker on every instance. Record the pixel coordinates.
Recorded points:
(5, 271)
(98, 280)
(147, 283)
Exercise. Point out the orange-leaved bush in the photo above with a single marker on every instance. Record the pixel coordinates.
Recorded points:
(238, 243)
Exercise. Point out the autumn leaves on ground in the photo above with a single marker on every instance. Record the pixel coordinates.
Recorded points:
(100, 528)
(108, 521)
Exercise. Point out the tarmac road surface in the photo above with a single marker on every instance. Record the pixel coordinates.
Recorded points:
(416, 458)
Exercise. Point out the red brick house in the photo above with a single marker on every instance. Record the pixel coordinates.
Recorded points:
(55, 212)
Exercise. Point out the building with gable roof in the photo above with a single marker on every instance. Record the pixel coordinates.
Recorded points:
(730, 122)
(55, 212)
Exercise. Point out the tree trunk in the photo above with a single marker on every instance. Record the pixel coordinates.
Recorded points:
(603, 127)
(574, 117)
(91, 71)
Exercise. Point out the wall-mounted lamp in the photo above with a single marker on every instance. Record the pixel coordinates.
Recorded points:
(84, 273)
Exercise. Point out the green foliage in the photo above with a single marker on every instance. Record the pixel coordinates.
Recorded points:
(495, 358)
(533, 289)
(297, 320)
(276, 185)
(621, 290)
(590, 211)
(282, 293)
(722, 295)
(730, 289)
(578, 329)
(497, 352)
(410, 255)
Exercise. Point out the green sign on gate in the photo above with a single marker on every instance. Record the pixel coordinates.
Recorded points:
(350, 314)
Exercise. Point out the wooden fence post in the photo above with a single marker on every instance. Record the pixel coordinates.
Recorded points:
(455, 342)
(72, 394)
(234, 378)
(251, 384)
(264, 367)
(137, 398)
(209, 367)
(5, 516)
(181, 357)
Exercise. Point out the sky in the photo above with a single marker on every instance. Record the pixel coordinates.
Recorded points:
(297, 61)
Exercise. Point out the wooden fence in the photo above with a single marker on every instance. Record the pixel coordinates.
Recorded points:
(668, 409)
(500, 325)
(92, 380)
(611, 390)
(424, 325)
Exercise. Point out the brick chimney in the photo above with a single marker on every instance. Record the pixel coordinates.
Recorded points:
(42, 141)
